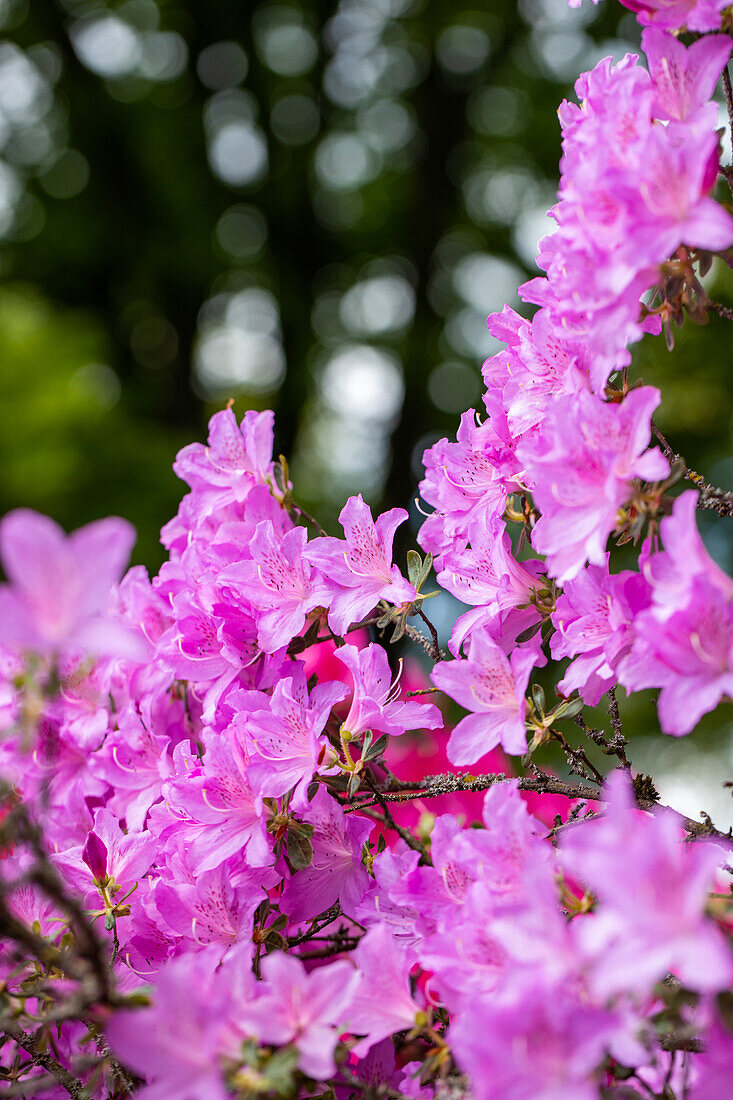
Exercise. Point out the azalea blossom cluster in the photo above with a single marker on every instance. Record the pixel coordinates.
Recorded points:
(227, 869)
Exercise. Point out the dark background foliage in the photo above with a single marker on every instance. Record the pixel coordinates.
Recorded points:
(309, 206)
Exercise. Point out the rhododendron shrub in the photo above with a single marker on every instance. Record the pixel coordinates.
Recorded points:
(242, 852)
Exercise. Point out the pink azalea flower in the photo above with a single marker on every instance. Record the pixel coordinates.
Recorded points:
(712, 1067)
(582, 468)
(215, 908)
(107, 853)
(488, 574)
(652, 889)
(60, 586)
(382, 1002)
(492, 686)
(689, 655)
(335, 872)
(358, 571)
(465, 480)
(683, 642)
(135, 763)
(675, 207)
(180, 1044)
(543, 1044)
(304, 1009)
(283, 734)
(672, 15)
(540, 363)
(593, 622)
(375, 704)
(672, 572)
(278, 582)
(220, 806)
(238, 457)
(684, 78)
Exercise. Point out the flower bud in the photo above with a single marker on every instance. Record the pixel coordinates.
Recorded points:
(95, 856)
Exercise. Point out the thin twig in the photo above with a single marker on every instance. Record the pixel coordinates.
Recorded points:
(711, 497)
(29, 1043)
(318, 924)
(309, 518)
(406, 835)
(437, 654)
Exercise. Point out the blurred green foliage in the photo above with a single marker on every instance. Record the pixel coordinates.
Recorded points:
(309, 205)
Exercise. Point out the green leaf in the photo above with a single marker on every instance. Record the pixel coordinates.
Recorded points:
(274, 942)
(414, 568)
(568, 709)
(303, 828)
(299, 849)
(529, 632)
(377, 748)
(280, 1069)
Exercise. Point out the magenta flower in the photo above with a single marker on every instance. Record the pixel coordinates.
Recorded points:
(358, 571)
(335, 872)
(221, 806)
(652, 889)
(492, 686)
(712, 1080)
(180, 1044)
(213, 909)
(382, 1002)
(107, 854)
(375, 704)
(689, 655)
(135, 763)
(237, 458)
(684, 78)
(582, 468)
(465, 480)
(542, 1044)
(304, 1009)
(283, 734)
(673, 15)
(673, 571)
(60, 585)
(487, 573)
(683, 642)
(594, 620)
(673, 186)
(278, 582)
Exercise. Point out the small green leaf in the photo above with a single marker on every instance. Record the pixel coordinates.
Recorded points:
(262, 911)
(414, 568)
(377, 748)
(568, 709)
(280, 1069)
(529, 633)
(274, 942)
(299, 849)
